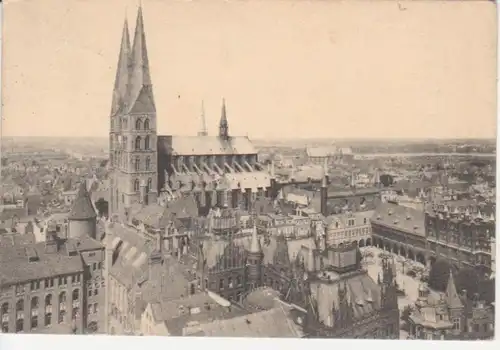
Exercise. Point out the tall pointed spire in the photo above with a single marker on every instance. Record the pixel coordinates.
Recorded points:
(453, 299)
(140, 89)
(255, 246)
(223, 124)
(203, 131)
(122, 72)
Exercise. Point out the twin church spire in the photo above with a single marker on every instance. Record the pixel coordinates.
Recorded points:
(133, 88)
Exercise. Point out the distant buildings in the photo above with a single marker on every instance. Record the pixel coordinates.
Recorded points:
(318, 155)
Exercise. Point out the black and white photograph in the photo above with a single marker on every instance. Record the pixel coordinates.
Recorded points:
(250, 169)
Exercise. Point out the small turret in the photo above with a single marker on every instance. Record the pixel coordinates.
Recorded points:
(223, 124)
(82, 216)
(203, 131)
(254, 258)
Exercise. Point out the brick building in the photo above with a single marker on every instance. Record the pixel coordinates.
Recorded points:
(463, 236)
(54, 286)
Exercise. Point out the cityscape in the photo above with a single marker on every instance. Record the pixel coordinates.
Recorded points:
(219, 235)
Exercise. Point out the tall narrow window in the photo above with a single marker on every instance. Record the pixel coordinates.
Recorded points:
(148, 163)
(62, 307)
(146, 142)
(146, 124)
(138, 124)
(138, 143)
(48, 310)
(137, 164)
(20, 315)
(34, 312)
(150, 185)
(136, 185)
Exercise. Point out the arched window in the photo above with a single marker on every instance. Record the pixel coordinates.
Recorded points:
(138, 124)
(48, 300)
(5, 309)
(62, 297)
(146, 142)
(137, 164)
(136, 185)
(146, 124)
(34, 303)
(20, 305)
(150, 185)
(148, 163)
(76, 295)
(124, 122)
(138, 143)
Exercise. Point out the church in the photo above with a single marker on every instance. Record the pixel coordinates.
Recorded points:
(148, 168)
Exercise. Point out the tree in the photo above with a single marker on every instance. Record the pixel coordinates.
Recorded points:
(386, 180)
(439, 274)
(468, 279)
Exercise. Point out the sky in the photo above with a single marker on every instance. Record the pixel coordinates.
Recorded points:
(287, 69)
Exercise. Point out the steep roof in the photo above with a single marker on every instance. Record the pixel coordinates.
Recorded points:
(121, 79)
(452, 298)
(82, 208)
(140, 89)
(362, 292)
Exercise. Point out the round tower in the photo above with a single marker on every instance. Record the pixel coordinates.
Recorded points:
(82, 217)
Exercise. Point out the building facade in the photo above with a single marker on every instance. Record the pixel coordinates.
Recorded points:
(463, 237)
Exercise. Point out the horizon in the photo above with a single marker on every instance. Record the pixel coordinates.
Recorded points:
(313, 82)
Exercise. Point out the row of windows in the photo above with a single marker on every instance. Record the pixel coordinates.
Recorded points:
(351, 222)
(34, 306)
(137, 164)
(149, 185)
(139, 124)
(230, 283)
(49, 283)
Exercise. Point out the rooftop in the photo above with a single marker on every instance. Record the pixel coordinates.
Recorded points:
(401, 218)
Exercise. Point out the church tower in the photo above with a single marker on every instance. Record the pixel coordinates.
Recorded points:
(133, 151)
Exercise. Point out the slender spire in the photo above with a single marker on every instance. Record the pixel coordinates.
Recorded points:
(203, 131)
(223, 124)
(453, 299)
(122, 72)
(140, 89)
(255, 245)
